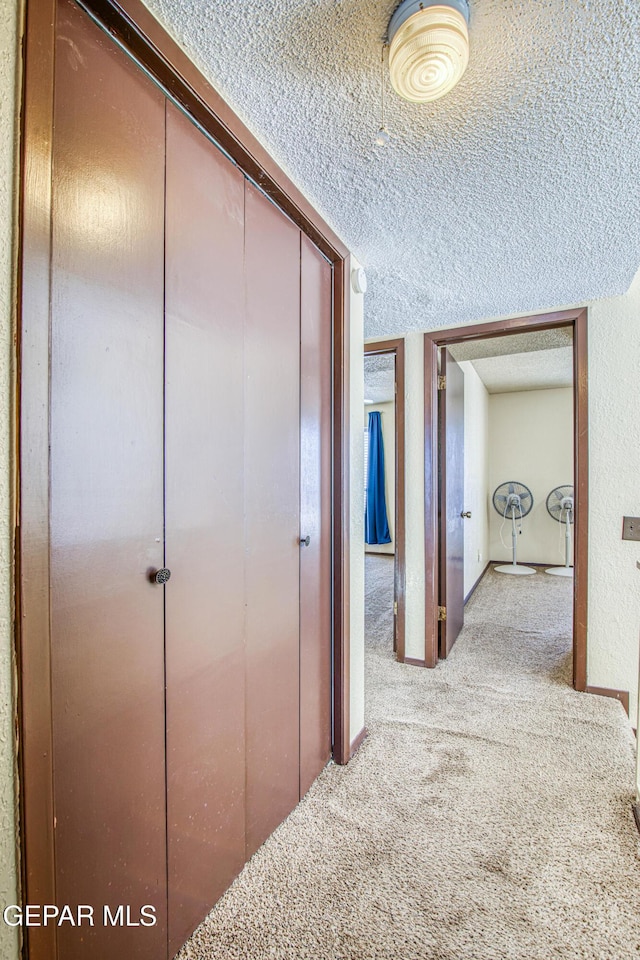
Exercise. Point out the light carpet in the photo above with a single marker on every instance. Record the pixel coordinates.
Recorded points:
(486, 817)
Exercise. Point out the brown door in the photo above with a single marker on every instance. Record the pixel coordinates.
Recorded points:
(315, 511)
(272, 515)
(204, 524)
(451, 441)
(107, 656)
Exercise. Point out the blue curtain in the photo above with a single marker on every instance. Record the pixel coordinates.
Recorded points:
(376, 525)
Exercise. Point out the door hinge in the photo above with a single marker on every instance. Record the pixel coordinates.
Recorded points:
(442, 613)
(442, 383)
(395, 608)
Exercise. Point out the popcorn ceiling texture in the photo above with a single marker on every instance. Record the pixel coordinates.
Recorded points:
(516, 192)
(527, 371)
(379, 378)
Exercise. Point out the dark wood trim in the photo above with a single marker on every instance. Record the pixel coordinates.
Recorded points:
(577, 319)
(341, 515)
(414, 663)
(357, 742)
(476, 584)
(431, 494)
(635, 809)
(621, 695)
(378, 553)
(505, 328)
(396, 347)
(139, 32)
(35, 755)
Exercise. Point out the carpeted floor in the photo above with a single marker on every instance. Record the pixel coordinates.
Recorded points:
(486, 817)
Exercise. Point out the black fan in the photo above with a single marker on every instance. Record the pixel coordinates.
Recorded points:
(560, 505)
(513, 501)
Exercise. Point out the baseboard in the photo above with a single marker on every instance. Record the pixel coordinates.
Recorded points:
(636, 814)
(413, 662)
(473, 588)
(357, 742)
(621, 695)
(378, 553)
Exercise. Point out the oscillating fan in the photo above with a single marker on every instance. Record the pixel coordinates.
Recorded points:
(513, 501)
(560, 507)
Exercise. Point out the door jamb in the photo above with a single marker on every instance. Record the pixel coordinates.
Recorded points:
(577, 320)
(396, 348)
(133, 28)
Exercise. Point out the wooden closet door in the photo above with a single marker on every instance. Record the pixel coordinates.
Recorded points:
(107, 655)
(272, 494)
(315, 513)
(204, 524)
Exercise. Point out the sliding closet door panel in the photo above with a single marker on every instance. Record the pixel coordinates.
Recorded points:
(272, 452)
(106, 494)
(315, 513)
(204, 524)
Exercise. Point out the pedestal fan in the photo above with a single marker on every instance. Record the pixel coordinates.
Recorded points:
(513, 501)
(560, 507)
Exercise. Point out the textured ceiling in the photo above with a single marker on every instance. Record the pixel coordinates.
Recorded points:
(515, 343)
(379, 379)
(527, 371)
(517, 191)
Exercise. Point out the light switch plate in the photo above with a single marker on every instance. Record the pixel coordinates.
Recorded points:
(631, 528)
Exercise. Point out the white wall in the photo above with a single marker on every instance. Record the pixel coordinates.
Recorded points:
(531, 440)
(356, 506)
(613, 637)
(10, 26)
(476, 475)
(387, 413)
(614, 490)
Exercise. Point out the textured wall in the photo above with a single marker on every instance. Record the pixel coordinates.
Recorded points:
(531, 440)
(356, 399)
(9, 21)
(387, 413)
(476, 475)
(614, 490)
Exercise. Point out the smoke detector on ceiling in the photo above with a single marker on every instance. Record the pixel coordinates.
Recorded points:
(428, 47)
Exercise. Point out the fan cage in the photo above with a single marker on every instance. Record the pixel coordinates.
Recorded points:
(556, 507)
(509, 489)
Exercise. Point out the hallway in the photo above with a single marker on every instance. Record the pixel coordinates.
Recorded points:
(487, 815)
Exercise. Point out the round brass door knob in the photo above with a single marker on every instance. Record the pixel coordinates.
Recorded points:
(466, 514)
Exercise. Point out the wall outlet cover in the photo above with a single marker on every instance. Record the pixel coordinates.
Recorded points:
(631, 528)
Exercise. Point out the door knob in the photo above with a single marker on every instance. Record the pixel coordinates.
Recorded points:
(305, 541)
(466, 514)
(161, 575)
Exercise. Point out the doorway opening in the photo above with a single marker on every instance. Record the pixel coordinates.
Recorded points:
(498, 354)
(384, 420)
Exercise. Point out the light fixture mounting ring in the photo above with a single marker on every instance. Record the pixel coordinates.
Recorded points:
(408, 7)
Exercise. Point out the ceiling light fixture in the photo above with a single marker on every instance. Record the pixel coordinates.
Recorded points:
(429, 47)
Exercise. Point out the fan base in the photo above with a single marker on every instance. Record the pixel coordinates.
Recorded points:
(517, 569)
(560, 571)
